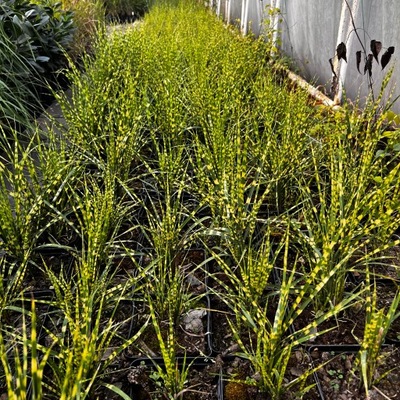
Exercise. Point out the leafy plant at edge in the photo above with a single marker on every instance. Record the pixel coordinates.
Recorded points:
(17, 100)
(40, 33)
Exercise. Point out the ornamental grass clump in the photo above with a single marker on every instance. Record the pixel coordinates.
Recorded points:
(104, 115)
(169, 225)
(178, 134)
(262, 328)
(248, 275)
(348, 207)
(90, 333)
(33, 195)
(172, 375)
(285, 135)
(169, 228)
(98, 215)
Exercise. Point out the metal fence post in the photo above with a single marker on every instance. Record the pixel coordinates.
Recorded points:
(245, 16)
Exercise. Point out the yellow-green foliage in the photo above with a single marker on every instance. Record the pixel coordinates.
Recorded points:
(377, 323)
(177, 133)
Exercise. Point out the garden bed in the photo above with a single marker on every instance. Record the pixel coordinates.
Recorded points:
(205, 219)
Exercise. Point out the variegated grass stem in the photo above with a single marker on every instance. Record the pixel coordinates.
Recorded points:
(377, 324)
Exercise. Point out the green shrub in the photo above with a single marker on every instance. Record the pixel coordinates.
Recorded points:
(39, 33)
(33, 39)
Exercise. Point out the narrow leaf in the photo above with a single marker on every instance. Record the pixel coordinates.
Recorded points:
(117, 390)
(376, 47)
(358, 60)
(368, 65)
(341, 51)
(386, 57)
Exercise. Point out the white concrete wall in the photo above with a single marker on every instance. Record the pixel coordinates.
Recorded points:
(311, 30)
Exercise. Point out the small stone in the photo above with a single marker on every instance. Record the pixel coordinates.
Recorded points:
(296, 371)
(315, 354)
(193, 281)
(231, 349)
(193, 322)
(135, 375)
(299, 356)
(314, 334)
(256, 377)
(325, 356)
(236, 362)
(48, 342)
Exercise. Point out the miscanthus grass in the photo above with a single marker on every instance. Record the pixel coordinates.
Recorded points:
(265, 311)
(23, 359)
(108, 129)
(179, 133)
(33, 179)
(377, 324)
(349, 213)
